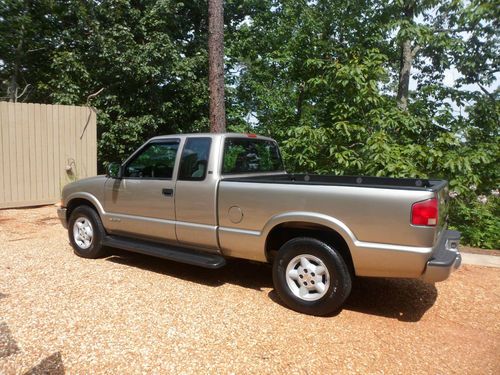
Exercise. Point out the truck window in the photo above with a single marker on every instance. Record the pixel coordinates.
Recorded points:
(194, 160)
(155, 161)
(243, 155)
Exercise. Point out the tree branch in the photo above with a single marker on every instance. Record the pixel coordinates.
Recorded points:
(93, 95)
(483, 89)
(458, 30)
(24, 91)
(35, 50)
(90, 110)
(415, 50)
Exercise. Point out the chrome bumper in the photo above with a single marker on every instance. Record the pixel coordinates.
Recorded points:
(445, 259)
(61, 213)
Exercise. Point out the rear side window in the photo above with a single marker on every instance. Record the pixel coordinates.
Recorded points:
(194, 159)
(242, 155)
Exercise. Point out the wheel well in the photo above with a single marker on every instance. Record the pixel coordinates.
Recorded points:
(286, 231)
(74, 203)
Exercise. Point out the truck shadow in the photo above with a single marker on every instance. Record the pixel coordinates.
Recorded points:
(256, 276)
(406, 300)
(402, 299)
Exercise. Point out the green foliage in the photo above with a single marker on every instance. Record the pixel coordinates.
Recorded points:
(478, 218)
(149, 57)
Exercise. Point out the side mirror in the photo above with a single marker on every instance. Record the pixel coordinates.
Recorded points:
(114, 171)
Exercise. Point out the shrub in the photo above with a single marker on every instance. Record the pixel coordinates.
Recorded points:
(477, 216)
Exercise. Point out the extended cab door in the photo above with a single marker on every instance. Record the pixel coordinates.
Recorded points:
(141, 203)
(196, 192)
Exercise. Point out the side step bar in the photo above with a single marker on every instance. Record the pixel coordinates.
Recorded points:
(177, 254)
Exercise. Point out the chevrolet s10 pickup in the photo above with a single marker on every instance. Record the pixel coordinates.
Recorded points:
(204, 198)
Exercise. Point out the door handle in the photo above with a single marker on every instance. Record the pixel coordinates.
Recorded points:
(167, 192)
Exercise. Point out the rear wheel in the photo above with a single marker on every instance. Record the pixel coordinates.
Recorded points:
(311, 277)
(86, 232)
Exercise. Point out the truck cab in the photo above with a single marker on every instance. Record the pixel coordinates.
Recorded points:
(167, 189)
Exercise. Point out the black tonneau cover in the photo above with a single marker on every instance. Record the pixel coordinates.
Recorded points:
(360, 181)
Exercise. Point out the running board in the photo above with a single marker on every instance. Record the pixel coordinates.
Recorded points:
(177, 254)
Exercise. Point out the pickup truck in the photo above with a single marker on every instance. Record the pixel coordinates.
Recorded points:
(204, 198)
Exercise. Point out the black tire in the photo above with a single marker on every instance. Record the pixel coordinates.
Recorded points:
(331, 299)
(96, 249)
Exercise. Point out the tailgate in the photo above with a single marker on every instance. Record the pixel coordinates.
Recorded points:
(443, 204)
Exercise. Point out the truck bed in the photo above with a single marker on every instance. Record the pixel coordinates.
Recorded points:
(355, 181)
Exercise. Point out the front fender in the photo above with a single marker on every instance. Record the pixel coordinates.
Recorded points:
(87, 196)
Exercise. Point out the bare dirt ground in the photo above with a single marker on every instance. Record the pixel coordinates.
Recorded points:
(129, 314)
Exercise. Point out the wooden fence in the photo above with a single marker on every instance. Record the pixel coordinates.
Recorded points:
(42, 148)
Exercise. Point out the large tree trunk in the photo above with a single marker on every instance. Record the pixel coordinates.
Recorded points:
(216, 65)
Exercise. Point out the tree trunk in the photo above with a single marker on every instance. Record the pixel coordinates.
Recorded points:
(404, 74)
(407, 56)
(300, 102)
(216, 65)
(13, 87)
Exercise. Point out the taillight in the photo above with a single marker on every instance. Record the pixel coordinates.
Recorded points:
(425, 213)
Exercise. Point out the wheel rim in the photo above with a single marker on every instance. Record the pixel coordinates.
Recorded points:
(83, 232)
(307, 277)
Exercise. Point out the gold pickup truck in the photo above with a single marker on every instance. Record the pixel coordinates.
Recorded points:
(203, 198)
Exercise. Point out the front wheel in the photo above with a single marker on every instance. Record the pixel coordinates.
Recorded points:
(86, 232)
(311, 277)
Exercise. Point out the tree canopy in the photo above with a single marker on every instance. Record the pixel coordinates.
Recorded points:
(346, 87)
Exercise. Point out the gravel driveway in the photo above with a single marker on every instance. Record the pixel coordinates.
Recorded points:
(134, 314)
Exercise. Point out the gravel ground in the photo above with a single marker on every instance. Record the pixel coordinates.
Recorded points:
(131, 314)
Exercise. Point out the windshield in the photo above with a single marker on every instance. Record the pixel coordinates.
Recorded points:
(243, 155)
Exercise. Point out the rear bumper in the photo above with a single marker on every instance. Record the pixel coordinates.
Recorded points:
(445, 259)
(61, 213)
